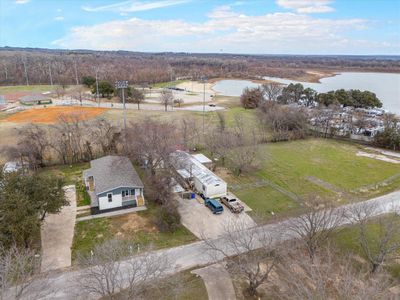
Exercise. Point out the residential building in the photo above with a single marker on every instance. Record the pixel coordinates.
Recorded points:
(113, 183)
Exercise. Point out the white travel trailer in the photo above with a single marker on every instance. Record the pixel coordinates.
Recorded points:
(204, 180)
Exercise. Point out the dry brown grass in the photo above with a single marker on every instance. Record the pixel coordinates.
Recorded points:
(52, 115)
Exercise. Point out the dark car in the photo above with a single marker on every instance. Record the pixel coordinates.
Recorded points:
(212, 105)
(214, 206)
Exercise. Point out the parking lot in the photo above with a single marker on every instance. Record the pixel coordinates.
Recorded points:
(203, 223)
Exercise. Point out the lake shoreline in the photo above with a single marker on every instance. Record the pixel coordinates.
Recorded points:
(385, 85)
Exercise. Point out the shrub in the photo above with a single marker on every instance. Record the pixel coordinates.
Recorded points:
(168, 218)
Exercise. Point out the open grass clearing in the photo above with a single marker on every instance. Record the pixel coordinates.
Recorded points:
(167, 84)
(27, 88)
(70, 173)
(289, 165)
(138, 227)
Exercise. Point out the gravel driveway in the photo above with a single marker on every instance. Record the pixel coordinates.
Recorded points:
(196, 217)
(57, 233)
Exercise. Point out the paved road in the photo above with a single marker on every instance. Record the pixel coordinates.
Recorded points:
(218, 282)
(63, 285)
(57, 233)
(143, 106)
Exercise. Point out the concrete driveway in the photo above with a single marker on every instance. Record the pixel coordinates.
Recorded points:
(196, 217)
(57, 233)
(218, 282)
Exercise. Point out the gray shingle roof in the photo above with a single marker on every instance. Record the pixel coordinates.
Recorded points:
(110, 172)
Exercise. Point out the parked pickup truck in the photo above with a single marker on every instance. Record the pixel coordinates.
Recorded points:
(233, 204)
(214, 206)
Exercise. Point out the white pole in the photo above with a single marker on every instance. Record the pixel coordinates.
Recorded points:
(123, 101)
(204, 101)
(97, 90)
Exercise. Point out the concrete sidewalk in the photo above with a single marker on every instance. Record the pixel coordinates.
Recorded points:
(218, 282)
(112, 213)
(57, 233)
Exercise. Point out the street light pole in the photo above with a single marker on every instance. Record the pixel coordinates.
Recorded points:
(204, 79)
(122, 84)
(97, 90)
(123, 101)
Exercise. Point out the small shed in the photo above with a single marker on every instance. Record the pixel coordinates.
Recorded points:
(204, 160)
(35, 100)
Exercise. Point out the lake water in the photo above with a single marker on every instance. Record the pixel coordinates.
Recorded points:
(386, 86)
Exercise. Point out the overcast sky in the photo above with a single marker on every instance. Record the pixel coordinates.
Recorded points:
(256, 27)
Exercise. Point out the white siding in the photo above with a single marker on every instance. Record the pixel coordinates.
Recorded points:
(116, 201)
(211, 190)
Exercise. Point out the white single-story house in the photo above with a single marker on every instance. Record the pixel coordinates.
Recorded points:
(204, 180)
(112, 183)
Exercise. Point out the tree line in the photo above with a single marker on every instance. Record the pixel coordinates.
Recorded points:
(297, 94)
(41, 66)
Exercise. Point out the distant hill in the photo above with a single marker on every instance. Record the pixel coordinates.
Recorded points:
(68, 66)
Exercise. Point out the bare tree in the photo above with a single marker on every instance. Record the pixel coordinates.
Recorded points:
(32, 146)
(315, 227)
(19, 274)
(386, 244)
(190, 132)
(272, 90)
(118, 270)
(249, 253)
(330, 276)
(151, 143)
(105, 135)
(166, 98)
(285, 123)
(78, 93)
(25, 70)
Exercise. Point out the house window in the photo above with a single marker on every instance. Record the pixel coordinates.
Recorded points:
(109, 197)
(132, 192)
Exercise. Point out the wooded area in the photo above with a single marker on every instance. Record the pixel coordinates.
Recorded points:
(45, 66)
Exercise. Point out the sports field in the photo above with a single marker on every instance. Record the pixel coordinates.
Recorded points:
(51, 115)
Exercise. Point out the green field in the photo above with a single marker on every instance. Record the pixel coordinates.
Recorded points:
(26, 88)
(167, 84)
(284, 181)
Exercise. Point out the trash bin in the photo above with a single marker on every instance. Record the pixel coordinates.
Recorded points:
(193, 196)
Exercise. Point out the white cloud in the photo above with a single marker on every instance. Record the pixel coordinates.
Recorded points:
(307, 6)
(59, 18)
(22, 1)
(224, 29)
(133, 6)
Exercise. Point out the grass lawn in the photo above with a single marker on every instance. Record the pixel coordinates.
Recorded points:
(180, 286)
(82, 195)
(289, 165)
(25, 88)
(136, 227)
(167, 84)
(71, 173)
(347, 240)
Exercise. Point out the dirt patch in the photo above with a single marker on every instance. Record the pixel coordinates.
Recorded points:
(51, 115)
(132, 223)
(378, 157)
